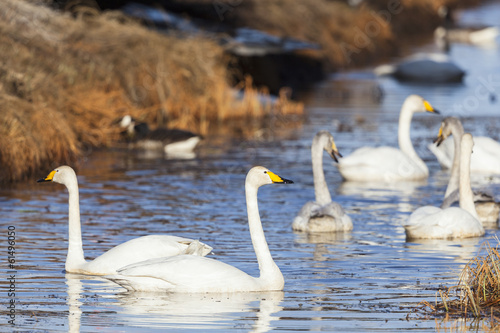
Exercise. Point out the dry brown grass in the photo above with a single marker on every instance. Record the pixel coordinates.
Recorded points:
(477, 295)
(348, 36)
(64, 81)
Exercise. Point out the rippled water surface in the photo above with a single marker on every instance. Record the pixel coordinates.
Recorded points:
(370, 279)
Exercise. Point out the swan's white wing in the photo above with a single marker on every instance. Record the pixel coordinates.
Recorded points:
(386, 164)
(434, 222)
(485, 156)
(144, 248)
(184, 273)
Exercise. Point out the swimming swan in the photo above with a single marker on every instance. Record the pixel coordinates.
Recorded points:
(322, 215)
(486, 207)
(486, 157)
(424, 68)
(172, 141)
(390, 164)
(135, 250)
(200, 274)
(452, 222)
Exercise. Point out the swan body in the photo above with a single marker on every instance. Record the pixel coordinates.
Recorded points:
(138, 249)
(480, 37)
(453, 222)
(486, 157)
(185, 273)
(425, 68)
(322, 215)
(171, 141)
(390, 164)
(486, 207)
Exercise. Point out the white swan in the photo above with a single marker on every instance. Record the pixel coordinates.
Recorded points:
(135, 250)
(390, 164)
(171, 141)
(201, 274)
(486, 207)
(479, 37)
(322, 215)
(486, 157)
(424, 68)
(453, 222)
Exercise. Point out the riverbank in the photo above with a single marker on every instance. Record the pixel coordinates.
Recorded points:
(65, 80)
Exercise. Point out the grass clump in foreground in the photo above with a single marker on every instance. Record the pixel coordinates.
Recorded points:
(64, 82)
(477, 295)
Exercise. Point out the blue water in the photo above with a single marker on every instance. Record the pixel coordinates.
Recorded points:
(370, 279)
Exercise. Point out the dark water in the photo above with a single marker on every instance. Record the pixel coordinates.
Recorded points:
(368, 280)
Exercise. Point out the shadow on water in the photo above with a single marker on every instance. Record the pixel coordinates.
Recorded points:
(368, 279)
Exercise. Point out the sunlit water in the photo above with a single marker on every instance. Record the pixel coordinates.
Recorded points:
(370, 279)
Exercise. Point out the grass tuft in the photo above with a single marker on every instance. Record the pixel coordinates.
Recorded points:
(476, 297)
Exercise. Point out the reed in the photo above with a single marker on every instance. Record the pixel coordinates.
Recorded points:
(477, 294)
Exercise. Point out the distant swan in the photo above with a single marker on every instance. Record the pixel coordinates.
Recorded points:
(453, 222)
(322, 215)
(424, 68)
(201, 274)
(171, 141)
(479, 37)
(486, 157)
(135, 250)
(390, 164)
(486, 207)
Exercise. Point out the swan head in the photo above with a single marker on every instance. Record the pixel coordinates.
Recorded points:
(259, 176)
(445, 130)
(417, 103)
(62, 175)
(325, 140)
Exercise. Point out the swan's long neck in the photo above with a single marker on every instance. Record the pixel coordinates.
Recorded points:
(457, 132)
(75, 256)
(269, 271)
(466, 196)
(404, 138)
(321, 191)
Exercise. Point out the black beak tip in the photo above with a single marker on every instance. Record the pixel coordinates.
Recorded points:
(436, 111)
(287, 181)
(40, 180)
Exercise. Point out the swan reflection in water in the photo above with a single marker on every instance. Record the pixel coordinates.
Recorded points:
(252, 311)
(462, 249)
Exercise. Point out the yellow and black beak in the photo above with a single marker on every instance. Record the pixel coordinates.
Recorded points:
(49, 178)
(440, 138)
(429, 108)
(333, 152)
(277, 179)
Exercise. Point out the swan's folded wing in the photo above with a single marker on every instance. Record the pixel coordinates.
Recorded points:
(144, 248)
(184, 273)
(434, 222)
(386, 164)
(486, 156)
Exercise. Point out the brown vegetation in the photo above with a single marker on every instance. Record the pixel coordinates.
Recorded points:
(348, 36)
(477, 294)
(64, 81)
